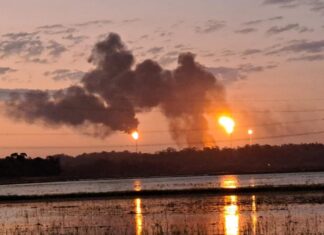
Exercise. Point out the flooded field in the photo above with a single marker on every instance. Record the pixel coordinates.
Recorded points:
(271, 213)
(227, 212)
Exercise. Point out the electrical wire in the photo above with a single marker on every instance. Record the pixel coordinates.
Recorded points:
(165, 131)
(163, 144)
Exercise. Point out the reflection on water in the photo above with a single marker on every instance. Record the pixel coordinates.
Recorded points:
(137, 185)
(254, 215)
(229, 181)
(231, 215)
(138, 216)
(275, 213)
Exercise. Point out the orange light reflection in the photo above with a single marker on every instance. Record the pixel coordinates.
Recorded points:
(254, 215)
(138, 216)
(231, 215)
(137, 185)
(229, 182)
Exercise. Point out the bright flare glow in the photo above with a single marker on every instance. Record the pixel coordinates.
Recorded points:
(228, 123)
(135, 135)
(250, 132)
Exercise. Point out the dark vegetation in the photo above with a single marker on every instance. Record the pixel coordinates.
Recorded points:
(169, 162)
(190, 161)
(20, 165)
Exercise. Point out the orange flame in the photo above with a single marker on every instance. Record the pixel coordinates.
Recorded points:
(135, 135)
(228, 123)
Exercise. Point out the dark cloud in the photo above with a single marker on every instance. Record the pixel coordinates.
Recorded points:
(155, 50)
(20, 35)
(165, 34)
(280, 2)
(228, 52)
(290, 6)
(253, 22)
(304, 29)
(109, 97)
(317, 57)
(94, 23)
(276, 29)
(23, 44)
(317, 6)
(275, 18)
(5, 94)
(53, 26)
(138, 48)
(313, 5)
(250, 68)
(178, 46)
(289, 27)
(57, 29)
(4, 70)
(75, 39)
(300, 46)
(232, 74)
(65, 75)
(55, 49)
(172, 53)
(145, 36)
(259, 21)
(29, 46)
(209, 54)
(131, 20)
(210, 26)
(38, 61)
(251, 52)
(246, 30)
(72, 106)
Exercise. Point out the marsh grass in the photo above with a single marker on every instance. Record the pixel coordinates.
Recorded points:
(204, 214)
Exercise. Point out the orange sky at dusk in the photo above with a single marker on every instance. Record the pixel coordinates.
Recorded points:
(267, 54)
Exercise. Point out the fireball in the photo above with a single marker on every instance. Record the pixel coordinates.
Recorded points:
(228, 123)
(135, 135)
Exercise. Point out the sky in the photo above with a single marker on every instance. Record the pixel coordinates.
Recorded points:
(268, 55)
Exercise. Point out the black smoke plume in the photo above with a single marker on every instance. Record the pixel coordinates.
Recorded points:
(109, 97)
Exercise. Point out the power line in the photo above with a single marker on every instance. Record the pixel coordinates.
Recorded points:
(162, 131)
(245, 126)
(164, 144)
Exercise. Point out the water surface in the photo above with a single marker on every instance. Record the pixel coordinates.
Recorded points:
(231, 214)
(272, 213)
(165, 183)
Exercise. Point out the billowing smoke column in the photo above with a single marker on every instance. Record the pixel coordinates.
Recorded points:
(109, 97)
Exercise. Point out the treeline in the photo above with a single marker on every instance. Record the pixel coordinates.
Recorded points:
(169, 162)
(20, 165)
(191, 161)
